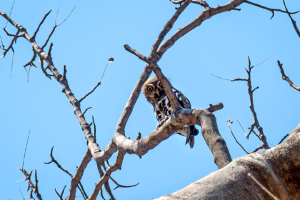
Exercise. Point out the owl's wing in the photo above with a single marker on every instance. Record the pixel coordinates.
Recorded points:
(182, 100)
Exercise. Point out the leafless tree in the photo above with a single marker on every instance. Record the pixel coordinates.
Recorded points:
(256, 176)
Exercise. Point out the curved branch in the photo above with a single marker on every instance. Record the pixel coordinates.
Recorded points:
(286, 78)
(202, 117)
(197, 22)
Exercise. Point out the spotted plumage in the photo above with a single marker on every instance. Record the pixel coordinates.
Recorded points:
(156, 95)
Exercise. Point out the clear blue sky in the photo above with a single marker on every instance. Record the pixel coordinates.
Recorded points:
(96, 31)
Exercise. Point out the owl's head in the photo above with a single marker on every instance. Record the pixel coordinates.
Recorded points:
(153, 90)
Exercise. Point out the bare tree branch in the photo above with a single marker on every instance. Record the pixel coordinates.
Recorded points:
(228, 123)
(293, 21)
(25, 150)
(286, 78)
(114, 167)
(169, 26)
(14, 40)
(284, 138)
(262, 137)
(197, 22)
(33, 187)
(79, 185)
(273, 10)
(61, 194)
(38, 28)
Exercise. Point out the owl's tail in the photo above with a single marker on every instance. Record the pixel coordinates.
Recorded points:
(190, 138)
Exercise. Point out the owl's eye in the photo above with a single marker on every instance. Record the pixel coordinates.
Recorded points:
(159, 84)
(149, 88)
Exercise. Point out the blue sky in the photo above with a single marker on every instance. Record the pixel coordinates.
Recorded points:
(96, 31)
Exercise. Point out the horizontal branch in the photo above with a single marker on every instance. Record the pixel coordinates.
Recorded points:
(273, 10)
(202, 117)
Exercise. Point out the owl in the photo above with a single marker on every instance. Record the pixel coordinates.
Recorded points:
(156, 95)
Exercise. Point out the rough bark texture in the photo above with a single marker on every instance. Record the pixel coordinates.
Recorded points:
(202, 117)
(277, 169)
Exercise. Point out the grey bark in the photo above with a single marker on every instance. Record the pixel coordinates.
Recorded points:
(277, 169)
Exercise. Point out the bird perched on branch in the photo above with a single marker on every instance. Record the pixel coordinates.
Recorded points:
(156, 95)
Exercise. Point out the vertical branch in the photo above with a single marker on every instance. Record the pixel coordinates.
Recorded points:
(250, 91)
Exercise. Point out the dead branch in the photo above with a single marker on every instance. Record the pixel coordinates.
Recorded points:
(273, 10)
(114, 167)
(61, 194)
(228, 123)
(168, 26)
(55, 26)
(79, 173)
(122, 186)
(30, 63)
(99, 83)
(25, 150)
(106, 184)
(66, 89)
(14, 40)
(293, 21)
(284, 138)
(197, 22)
(33, 187)
(86, 110)
(39, 26)
(80, 187)
(213, 108)
(286, 78)
(262, 137)
(57, 164)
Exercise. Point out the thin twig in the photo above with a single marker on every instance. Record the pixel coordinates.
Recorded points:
(284, 138)
(53, 29)
(22, 194)
(67, 16)
(262, 187)
(30, 184)
(10, 12)
(57, 10)
(39, 26)
(286, 78)
(293, 21)
(64, 170)
(95, 130)
(101, 193)
(99, 83)
(86, 110)
(228, 123)
(270, 9)
(55, 161)
(61, 194)
(221, 78)
(123, 186)
(11, 43)
(25, 149)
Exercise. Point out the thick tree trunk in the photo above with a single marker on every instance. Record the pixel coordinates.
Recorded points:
(277, 169)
